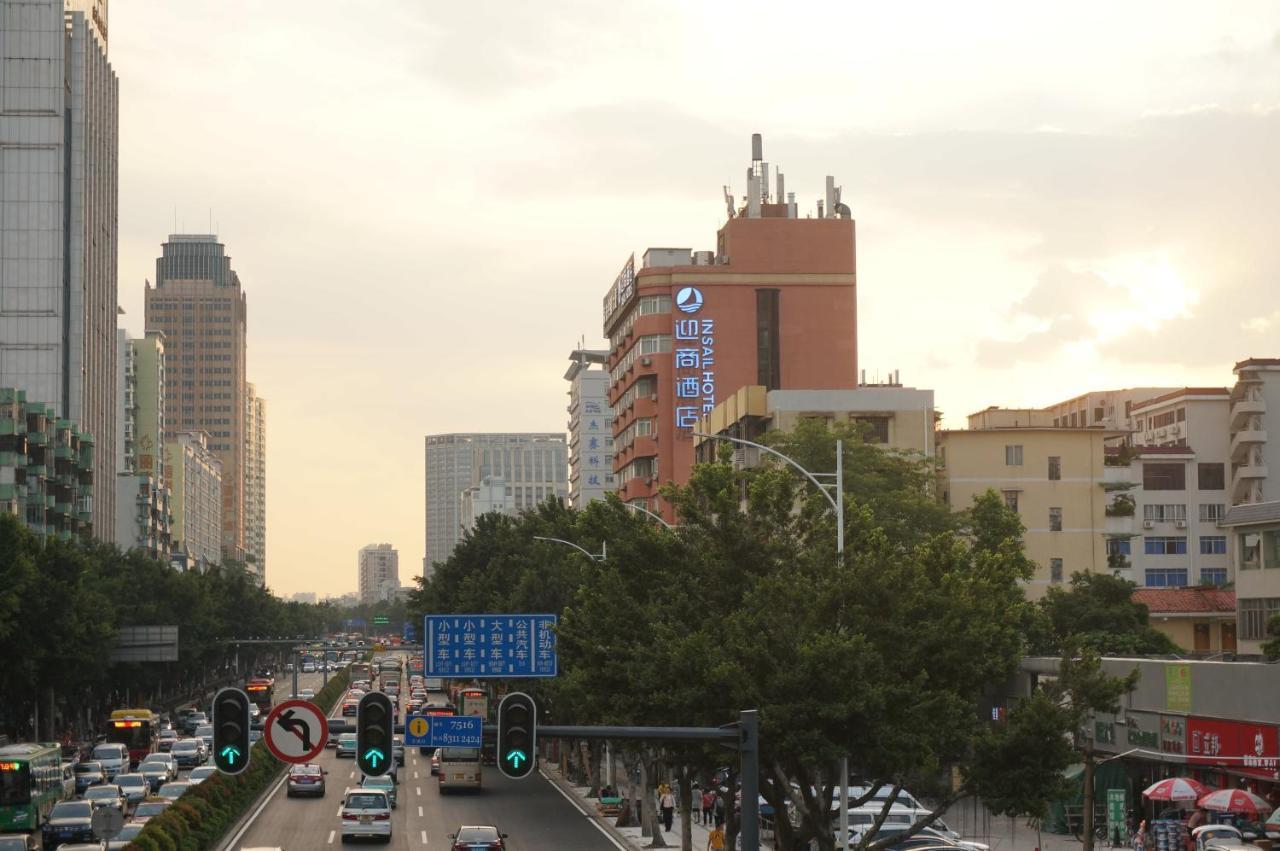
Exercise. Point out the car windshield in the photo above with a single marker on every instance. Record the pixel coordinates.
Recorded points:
(347, 738)
(305, 769)
(107, 752)
(477, 834)
(129, 831)
(156, 758)
(89, 768)
(151, 808)
(378, 782)
(186, 745)
(173, 790)
(367, 801)
(13, 843)
(102, 792)
(460, 755)
(72, 809)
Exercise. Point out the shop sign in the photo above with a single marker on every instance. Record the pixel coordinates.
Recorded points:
(1173, 734)
(1244, 747)
(1177, 688)
(624, 286)
(695, 360)
(1104, 732)
(1143, 731)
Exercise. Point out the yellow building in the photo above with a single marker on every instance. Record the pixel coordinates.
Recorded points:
(1053, 478)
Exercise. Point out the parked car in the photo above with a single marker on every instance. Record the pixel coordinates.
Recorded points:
(477, 836)
(386, 783)
(89, 774)
(114, 758)
(366, 812)
(133, 787)
(69, 821)
(306, 779)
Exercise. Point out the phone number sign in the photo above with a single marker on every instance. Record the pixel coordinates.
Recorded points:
(490, 646)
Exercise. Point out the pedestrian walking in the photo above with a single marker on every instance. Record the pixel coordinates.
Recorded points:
(715, 841)
(708, 805)
(667, 803)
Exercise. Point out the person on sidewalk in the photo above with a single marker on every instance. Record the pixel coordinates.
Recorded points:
(708, 805)
(715, 840)
(667, 802)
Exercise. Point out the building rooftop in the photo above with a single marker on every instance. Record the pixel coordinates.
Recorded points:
(1181, 393)
(1194, 600)
(1253, 513)
(1248, 362)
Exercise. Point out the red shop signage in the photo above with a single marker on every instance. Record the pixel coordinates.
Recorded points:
(1248, 748)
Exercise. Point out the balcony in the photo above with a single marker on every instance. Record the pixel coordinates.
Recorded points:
(1242, 411)
(1246, 482)
(1244, 440)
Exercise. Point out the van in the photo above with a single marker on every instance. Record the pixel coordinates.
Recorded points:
(459, 768)
(114, 758)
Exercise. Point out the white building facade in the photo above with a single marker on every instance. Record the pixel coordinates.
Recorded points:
(194, 476)
(255, 483)
(590, 427)
(377, 568)
(58, 291)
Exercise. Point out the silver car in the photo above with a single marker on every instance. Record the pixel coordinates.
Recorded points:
(189, 752)
(105, 795)
(134, 787)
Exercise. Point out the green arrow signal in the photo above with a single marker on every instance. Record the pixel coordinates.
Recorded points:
(515, 757)
(230, 753)
(373, 755)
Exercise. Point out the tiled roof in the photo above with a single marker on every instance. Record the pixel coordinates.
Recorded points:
(1186, 600)
(1252, 513)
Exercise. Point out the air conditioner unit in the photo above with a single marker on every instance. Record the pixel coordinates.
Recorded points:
(1181, 524)
(1148, 524)
(646, 361)
(653, 397)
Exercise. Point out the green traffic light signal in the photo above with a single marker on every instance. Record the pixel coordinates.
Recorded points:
(375, 723)
(231, 730)
(517, 734)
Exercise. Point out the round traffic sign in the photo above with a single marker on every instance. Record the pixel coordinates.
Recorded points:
(418, 727)
(107, 822)
(296, 731)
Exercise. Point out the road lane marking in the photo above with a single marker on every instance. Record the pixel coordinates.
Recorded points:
(415, 775)
(424, 837)
(266, 799)
(597, 825)
(339, 810)
(331, 837)
(419, 812)
(418, 789)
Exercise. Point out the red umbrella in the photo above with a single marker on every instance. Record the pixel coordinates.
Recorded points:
(1176, 789)
(1235, 801)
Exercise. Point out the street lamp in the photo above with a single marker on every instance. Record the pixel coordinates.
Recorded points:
(835, 483)
(593, 556)
(652, 514)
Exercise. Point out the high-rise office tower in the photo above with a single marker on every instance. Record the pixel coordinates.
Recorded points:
(255, 482)
(377, 569)
(534, 467)
(198, 304)
(58, 194)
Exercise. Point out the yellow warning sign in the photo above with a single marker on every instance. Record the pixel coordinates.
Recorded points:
(418, 727)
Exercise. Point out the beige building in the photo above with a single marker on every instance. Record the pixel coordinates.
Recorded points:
(198, 304)
(1053, 478)
(377, 568)
(1101, 408)
(890, 415)
(1202, 621)
(194, 475)
(255, 482)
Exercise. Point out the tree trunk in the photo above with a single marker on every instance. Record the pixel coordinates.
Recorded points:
(1087, 820)
(649, 810)
(686, 809)
(627, 817)
(731, 823)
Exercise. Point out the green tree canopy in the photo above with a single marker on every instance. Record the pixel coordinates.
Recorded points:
(1097, 612)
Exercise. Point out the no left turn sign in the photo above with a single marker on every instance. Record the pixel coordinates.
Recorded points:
(296, 731)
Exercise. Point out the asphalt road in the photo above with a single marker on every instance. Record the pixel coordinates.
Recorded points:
(533, 812)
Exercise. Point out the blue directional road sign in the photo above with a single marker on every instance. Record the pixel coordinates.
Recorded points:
(480, 646)
(443, 731)
(408, 632)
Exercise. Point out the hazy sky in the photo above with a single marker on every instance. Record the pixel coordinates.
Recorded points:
(425, 201)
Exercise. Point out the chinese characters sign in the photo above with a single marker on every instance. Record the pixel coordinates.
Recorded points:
(695, 361)
(624, 286)
(1177, 688)
(490, 646)
(1247, 748)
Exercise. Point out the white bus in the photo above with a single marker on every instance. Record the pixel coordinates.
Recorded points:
(459, 768)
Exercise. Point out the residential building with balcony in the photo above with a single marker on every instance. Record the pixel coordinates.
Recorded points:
(142, 511)
(1052, 477)
(46, 469)
(377, 568)
(775, 305)
(590, 427)
(194, 475)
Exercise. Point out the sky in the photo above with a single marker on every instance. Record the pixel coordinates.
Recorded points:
(426, 201)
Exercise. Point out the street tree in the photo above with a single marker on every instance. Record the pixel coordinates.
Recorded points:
(1097, 611)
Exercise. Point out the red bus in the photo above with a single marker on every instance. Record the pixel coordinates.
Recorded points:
(136, 729)
(259, 691)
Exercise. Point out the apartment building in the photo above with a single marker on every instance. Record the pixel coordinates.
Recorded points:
(590, 427)
(47, 470)
(142, 510)
(255, 483)
(377, 568)
(1053, 477)
(194, 475)
(1101, 408)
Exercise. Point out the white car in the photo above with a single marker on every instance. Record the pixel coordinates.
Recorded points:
(366, 812)
(114, 758)
(201, 774)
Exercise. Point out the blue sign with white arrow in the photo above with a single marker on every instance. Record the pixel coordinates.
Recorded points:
(443, 731)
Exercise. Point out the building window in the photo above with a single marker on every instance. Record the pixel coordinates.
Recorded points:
(1213, 576)
(1055, 519)
(1164, 513)
(1011, 500)
(1254, 615)
(1212, 512)
(1055, 570)
(768, 345)
(1166, 577)
(1118, 546)
(1164, 545)
(1250, 546)
(1213, 545)
(1013, 456)
(873, 429)
(1212, 477)
(1164, 477)
(1055, 468)
(651, 304)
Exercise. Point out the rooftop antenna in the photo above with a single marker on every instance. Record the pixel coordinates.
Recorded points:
(728, 202)
(757, 177)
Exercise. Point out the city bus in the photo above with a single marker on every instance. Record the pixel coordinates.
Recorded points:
(360, 671)
(30, 784)
(136, 729)
(473, 701)
(259, 691)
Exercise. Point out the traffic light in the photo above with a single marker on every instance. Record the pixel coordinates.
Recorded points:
(517, 734)
(375, 723)
(231, 730)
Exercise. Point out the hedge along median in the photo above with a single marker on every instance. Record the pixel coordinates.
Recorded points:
(199, 819)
